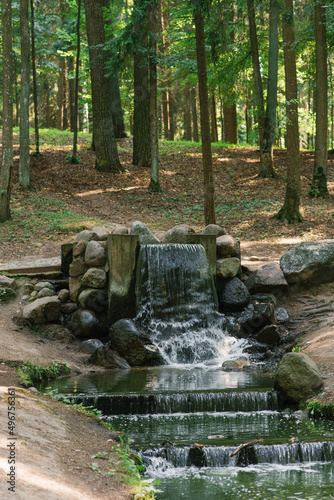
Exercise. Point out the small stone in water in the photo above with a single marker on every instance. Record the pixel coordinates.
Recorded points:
(216, 436)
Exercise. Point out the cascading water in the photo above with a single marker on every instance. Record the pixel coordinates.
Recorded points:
(177, 303)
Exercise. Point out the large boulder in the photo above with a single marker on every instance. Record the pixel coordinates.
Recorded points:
(95, 254)
(180, 233)
(309, 263)
(227, 246)
(145, 235)
(297, 377)
(103, 356)
(7, 283)
(228, 268)
(133, 344)
(213, 229)
(94, 278)
(86, 235)
(93, 299)
(44, 310)
(268, 279)
(86, 325)
(255, 317)
(235, 296)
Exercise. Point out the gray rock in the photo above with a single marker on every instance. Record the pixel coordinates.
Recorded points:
(133, 344)
(64, 295)
(94, 278)
(75, 287)
(95, 254)
(79, 248)
(236, 365)
(227, 246)
(94, 299)
(213, 229)
(180, 233)
(269, 335)
(91, 345)
(282, 314)
(309, 263)
(7, 283)
(77, 268)
(120, 230)
(228, 268)
(69, 308)
(145, 235)
(86, 236)
(103, 356)
(256, 317)
(43, 284)
(235, 296)
(297, 377)
(268, 279)
(85, 324)
(46, 292)
(43, 310)
(102, 232)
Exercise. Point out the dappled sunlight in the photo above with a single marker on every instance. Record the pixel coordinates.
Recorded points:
(109, 190)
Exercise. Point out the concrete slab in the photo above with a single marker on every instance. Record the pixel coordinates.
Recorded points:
(33, 267)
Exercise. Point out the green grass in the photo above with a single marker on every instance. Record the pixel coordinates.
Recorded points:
(31, 374)
(55, 137)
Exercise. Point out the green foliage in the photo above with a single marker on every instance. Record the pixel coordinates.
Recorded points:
(6, 295)
(316, 409)
(31, 374)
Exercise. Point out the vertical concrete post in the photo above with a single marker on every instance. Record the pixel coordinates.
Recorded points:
(210, 247)
(122, 258)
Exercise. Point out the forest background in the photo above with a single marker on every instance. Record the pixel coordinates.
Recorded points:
(168, 112)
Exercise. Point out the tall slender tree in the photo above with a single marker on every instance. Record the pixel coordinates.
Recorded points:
(319, 181)
(103, 129)
(209, 189)
(7, 131)
(34, 76)
(290, 209)
(24, 162)
(74, 158)
(267, 148)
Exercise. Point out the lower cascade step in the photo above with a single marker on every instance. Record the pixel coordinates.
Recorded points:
(131, 404)
(283, 454)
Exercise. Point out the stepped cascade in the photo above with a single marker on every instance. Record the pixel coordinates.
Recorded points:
(201, 431)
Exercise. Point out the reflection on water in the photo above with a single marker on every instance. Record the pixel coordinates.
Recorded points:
(160, 379)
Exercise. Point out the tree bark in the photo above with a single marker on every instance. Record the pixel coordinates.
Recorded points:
(194, 115)
(230, 124)
(256, 68)
(209, 190)
(154, 186)
(267, 149)
(7, 133)
(103, 129)
(71, 91)
(24, 162)
(141, 117)
(34, 76)
(76, 90)
(319, 181)
(290, 209)
(187, 115)
(214, 129)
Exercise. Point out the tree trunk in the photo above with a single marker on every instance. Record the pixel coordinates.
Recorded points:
(76, 90)
(290, 209)
(230, 124)
(319, 181)
(154, 186)
(34, 76)
(71, 91)
(116, 108)
(256, 68)
(103, 129)
(214, 130)
(7, 133)
(209, 189)
(64, 103)
(24, 162)
(60, 94)
(187, 115)
(194, 115)
(141, 117)
(267, 150)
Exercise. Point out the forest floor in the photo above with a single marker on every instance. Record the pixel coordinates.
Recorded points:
(57, 446)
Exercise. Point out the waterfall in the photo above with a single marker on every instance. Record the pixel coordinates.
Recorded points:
(177, 303)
